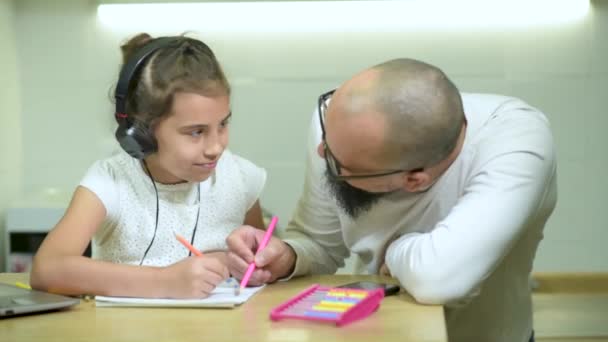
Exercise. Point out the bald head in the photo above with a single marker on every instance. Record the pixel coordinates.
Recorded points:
(421, 108)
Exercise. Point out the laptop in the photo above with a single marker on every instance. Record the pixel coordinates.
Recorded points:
(18, 301)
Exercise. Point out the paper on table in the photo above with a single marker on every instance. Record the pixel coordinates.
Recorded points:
(222, 297)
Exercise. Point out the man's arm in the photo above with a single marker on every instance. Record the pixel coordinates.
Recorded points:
(502, 197)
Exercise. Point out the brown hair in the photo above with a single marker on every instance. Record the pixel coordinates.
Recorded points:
(184, 65)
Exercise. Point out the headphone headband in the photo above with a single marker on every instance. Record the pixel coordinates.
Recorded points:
(135, 138)
(130, 68)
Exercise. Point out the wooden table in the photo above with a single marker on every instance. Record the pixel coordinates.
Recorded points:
(399, 318)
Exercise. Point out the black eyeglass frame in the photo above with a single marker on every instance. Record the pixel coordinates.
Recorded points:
(333, 165)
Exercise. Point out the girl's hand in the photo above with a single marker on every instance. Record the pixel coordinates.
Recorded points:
(194, 277)
(221, 256)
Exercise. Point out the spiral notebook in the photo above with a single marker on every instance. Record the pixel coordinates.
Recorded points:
(222, 297)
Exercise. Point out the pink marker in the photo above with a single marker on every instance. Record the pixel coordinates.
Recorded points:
(262, 245)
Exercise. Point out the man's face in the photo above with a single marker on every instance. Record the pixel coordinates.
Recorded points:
(358, 171)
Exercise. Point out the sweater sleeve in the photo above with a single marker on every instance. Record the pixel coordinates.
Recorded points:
(501, 197)
(314, 232)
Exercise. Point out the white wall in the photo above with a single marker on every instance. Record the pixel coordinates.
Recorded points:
(68, 61)
(11, 167)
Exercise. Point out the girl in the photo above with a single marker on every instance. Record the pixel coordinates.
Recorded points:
(173, 109)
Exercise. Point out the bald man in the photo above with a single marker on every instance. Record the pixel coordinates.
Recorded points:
(448, 192)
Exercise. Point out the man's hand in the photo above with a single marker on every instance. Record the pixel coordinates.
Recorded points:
(275, 261)
(384, 271)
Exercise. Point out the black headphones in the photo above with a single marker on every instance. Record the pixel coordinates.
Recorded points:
(134, 137)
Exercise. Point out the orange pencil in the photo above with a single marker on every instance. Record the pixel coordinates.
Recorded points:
(188, 245)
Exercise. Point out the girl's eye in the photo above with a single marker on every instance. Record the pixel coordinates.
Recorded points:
(225, 123)
(196, 133)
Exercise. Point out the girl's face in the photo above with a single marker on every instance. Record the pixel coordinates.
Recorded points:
(190, 139)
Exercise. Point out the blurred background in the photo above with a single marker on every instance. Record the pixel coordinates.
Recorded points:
(59, 61)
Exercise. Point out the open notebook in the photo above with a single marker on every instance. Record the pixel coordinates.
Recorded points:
(222, 297)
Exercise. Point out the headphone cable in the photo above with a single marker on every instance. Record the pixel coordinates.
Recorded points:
(156, 223)
(198, 212)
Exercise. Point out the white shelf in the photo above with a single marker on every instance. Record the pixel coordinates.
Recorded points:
(30, 219)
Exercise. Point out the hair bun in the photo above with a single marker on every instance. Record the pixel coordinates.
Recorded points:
(134, 44)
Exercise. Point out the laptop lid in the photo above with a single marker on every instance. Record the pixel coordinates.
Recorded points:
(17, 301)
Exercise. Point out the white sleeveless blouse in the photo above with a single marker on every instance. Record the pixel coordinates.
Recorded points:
(128, 196)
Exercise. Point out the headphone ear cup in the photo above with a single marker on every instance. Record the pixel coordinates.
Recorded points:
(136, 140)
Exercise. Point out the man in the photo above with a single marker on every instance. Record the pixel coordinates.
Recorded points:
(447, 192)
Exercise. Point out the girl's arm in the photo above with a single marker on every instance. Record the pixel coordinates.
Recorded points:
(60, 267)
(254, 216)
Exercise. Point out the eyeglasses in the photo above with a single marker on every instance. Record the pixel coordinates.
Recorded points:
(333, 165)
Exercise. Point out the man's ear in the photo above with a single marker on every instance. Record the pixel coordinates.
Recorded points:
(415, 181)
(321, 150)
